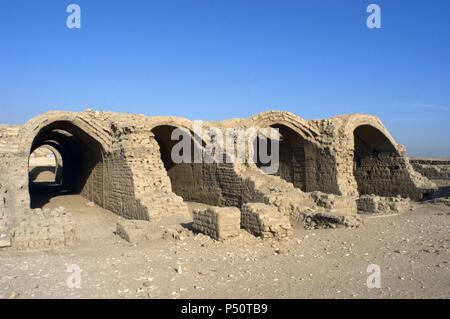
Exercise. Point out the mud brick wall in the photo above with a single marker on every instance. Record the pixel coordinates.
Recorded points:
(217, 222)
(385, 175)
(264, 221)
(118, 188)
(13, 162)
(308, 167)
(320, 171)
(196, 182)
(44, 229)
(216, 184)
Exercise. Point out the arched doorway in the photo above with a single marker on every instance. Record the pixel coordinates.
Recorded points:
(301, 162)
(45, 166)
(193, 179)
(82, 159)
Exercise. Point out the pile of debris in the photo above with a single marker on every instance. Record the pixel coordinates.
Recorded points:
(326, 220)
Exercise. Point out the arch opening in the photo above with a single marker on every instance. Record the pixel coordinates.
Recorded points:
(378, 167)
(193, 180)
(301, 162)
(45, 166)
(81, 159)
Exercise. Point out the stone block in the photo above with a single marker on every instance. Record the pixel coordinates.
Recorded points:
(5, 241)
(217, 222)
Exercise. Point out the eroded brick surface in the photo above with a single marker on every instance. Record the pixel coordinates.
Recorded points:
(264, 221)
(217, 222)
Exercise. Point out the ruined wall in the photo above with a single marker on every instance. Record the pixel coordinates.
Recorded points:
(141, 186)
(373, 162)
(385, 175)
(196, 182)
(305, 157)
(438, 171)
(12, 163)
(126, 172)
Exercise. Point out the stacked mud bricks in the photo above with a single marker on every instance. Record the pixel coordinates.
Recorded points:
(217, 222)
(224, 222)
(45, 229)
(264, 221)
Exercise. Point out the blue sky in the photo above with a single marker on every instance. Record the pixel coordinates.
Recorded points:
(216, 59)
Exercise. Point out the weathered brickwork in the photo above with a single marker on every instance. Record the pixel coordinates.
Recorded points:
(264, 221)
(385, 175)
(383, 205)
(434, 169)
(40, 229)
(122, 163)
(217, 222)
(438, 171)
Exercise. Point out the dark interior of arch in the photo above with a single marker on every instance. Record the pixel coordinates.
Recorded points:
(195, 181)
(378, 168)
(301, 162)
(83, 169)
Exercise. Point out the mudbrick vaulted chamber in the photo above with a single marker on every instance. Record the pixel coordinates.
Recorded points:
(124, 163)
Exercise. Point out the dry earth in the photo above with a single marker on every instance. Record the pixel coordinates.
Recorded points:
(412, 250)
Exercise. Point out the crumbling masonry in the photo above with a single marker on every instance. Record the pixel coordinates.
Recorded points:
(122, 163)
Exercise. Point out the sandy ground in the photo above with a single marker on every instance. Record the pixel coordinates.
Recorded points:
(412, 250)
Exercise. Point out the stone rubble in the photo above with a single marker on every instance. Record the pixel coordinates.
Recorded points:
(135, 231)
(326, 220)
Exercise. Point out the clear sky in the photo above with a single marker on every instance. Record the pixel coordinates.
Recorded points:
(216, 59)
